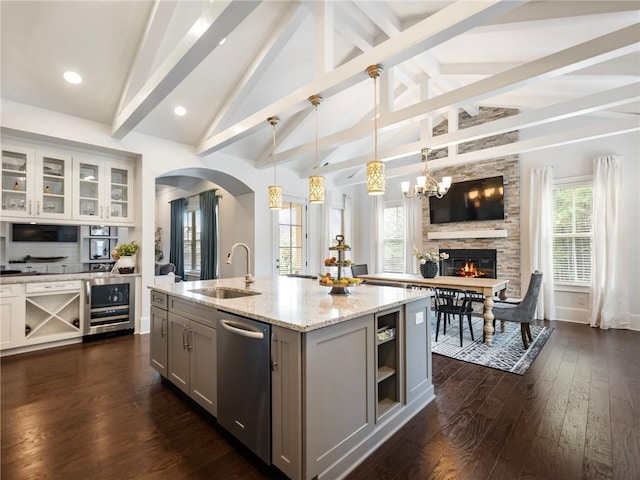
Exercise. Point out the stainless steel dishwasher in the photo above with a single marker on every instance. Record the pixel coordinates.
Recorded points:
(244, 381)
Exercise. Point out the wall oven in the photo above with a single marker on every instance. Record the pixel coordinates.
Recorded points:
(109, 306)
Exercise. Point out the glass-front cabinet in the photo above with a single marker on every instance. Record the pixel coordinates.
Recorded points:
(35, 184)
(104, 191)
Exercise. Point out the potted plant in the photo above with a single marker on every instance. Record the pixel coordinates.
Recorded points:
(429, 262)
(125, 256)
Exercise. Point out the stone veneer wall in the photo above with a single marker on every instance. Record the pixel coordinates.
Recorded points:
(508, 249)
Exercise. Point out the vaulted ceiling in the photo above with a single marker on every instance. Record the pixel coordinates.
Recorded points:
(234, 64)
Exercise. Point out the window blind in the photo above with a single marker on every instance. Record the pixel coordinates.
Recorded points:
(572, 234)
(393, 239)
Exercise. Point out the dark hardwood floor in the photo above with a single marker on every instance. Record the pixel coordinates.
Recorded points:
(98, 411)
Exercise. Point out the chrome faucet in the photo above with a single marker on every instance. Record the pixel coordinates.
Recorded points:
(248, 278)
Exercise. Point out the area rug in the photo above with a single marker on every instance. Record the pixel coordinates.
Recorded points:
(506, 353)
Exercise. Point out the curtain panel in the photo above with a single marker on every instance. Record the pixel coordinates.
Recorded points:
(209, 235)
(412, 233)
(377, 234)
(609, 296)
(176, 245)
(541, 228)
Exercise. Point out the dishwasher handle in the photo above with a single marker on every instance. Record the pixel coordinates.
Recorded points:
(227, 325)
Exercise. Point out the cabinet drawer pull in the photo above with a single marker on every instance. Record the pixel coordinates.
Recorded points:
(30, 205)
(38, 207)
(163, 331)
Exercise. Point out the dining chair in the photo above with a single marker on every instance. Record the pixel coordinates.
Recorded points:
(451, 302)
(360, 269)
(522, 312)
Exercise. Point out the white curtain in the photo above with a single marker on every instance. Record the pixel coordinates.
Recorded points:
(377, 235)
(609, 298)
(347, 218)
(412, 233)
(325, 230)
(541, 228)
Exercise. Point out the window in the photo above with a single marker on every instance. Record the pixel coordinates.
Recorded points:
(290, 245)
(393, 249)
(572, 233)
(192, 235)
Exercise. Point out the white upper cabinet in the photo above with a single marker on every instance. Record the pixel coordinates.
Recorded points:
(36, 184)
(103, 191)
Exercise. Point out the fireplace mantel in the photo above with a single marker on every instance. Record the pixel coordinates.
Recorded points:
(497, 233)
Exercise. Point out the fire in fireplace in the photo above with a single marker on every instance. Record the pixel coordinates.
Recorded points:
(469, 262)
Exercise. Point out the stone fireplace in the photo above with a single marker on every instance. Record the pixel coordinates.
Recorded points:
(470, 262)
(500, 236)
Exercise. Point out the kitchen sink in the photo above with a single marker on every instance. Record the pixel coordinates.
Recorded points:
(223, 292)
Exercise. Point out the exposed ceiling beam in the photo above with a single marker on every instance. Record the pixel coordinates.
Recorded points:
(593, 51)
(438, 28)
(548, 11)
(381, 14)
(324, 58)
(180, 63)
(155, 30)
(615, 127)
(269, 50)
(552, 113)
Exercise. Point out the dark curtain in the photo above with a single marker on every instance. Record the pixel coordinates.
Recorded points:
(208, 235)
(176, 252)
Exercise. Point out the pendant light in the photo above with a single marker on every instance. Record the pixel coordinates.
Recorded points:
(375, 168)
(275, 192)
(316, 182)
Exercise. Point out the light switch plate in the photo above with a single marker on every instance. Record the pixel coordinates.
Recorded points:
(419, 318)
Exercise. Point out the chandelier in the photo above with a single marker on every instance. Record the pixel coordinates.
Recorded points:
(426, 185)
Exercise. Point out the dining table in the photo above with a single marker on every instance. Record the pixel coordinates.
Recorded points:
(485, 286)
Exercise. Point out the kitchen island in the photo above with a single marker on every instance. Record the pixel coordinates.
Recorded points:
(346, 370)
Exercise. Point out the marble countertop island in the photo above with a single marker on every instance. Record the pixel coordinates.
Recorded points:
(298, 304)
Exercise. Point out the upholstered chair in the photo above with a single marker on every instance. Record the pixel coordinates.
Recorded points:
(522, 312)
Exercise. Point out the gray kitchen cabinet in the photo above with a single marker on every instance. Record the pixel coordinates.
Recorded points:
(417, 364)
(179, 355)
(192, 363)
(339, 391)
(159, 343)
(159, 340)
(203, 368)
(286, 401)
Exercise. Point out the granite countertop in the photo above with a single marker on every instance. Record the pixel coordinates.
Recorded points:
(295, 303)
(56, 277)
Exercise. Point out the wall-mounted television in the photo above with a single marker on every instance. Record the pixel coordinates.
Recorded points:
(26, 232)
(468, 201)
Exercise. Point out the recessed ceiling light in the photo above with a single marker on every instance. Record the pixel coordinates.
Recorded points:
(180, 111)
(72, 77)
(221, 42)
